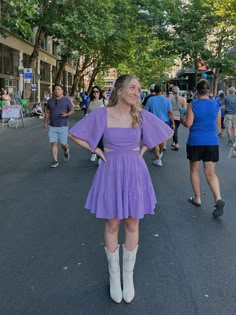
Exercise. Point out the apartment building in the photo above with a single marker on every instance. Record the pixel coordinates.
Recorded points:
(14, 53)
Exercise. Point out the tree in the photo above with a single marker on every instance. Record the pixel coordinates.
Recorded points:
(199, 30)
(22, 16)
(222, 40)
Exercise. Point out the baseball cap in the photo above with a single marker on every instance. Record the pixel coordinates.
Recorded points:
(152, 87)
(221, 92)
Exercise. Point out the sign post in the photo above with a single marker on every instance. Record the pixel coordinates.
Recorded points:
(34, 89)
(28, 76)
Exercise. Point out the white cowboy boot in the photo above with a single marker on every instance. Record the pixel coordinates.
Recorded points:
(129, 259)
(114, 271)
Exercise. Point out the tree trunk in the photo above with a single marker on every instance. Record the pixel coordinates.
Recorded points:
(216, 81)
(196, 73)
(59, 74)
(217, 70)
(34, 56)
(93, 76)
(80, 73)
(76, 79)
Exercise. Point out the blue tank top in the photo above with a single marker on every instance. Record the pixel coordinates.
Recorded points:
(204, 127)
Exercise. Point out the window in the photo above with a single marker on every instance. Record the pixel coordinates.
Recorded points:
(54, 48)
(45, 71)
(9, 59)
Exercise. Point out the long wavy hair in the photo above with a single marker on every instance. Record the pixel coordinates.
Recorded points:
(91, 95)
(121, 83)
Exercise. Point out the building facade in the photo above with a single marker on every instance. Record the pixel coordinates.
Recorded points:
(14, 54)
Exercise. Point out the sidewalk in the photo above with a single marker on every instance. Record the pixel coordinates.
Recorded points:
(12, 124)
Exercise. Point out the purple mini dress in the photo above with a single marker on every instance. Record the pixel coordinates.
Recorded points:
(122, 187)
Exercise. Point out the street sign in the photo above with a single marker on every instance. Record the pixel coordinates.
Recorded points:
(28, 75)
(34, 87)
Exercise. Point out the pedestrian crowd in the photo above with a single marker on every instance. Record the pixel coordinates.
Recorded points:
(118, 132)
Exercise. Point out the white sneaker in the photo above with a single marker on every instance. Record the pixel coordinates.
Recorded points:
(157, 162)
(161, 155)
(99, 161)
(93, 157)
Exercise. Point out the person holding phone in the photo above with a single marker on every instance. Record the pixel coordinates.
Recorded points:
(59, 109)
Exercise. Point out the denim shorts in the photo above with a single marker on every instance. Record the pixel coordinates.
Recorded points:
(58, 134)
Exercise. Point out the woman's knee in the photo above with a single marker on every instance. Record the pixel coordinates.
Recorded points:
(131, 225)
(112, 226)
(209, 170)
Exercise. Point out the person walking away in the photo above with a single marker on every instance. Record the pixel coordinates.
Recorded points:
(161, 107)
(202, 117)
(122, 188)
(59, 109)
(96, 101)
(220, 98)
(178, 102)
(230, 115)
(85, 102)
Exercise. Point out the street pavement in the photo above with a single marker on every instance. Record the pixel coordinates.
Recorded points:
(52, 258)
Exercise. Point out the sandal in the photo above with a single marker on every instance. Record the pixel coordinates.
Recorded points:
(219, 208)
(193, 202)
(175, 148)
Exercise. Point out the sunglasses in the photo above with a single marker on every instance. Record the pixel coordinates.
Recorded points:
(96, 91)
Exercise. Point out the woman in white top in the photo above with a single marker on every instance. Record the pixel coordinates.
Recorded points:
(96, 99)
(178, 102)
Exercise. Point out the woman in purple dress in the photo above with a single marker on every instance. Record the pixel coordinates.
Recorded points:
(122, 187)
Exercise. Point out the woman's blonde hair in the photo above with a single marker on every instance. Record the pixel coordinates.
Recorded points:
(175, 90)
(121, 82)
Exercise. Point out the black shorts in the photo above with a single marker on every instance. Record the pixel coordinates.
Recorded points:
(205, 153)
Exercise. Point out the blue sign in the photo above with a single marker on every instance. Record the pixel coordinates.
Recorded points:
(28, 75)
(34, 87)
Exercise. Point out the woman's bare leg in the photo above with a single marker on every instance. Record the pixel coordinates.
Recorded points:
(131, 233)
(111, 234)
(212, 179)
(195, 179)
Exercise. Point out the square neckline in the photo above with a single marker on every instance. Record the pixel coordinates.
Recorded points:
(115, 127)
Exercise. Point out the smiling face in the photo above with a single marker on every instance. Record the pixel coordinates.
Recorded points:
(96, 93)
(130, 93)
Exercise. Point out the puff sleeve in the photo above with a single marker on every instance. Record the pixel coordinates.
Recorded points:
(154, 130)
(91, 127)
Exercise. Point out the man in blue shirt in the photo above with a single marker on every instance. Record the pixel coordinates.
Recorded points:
(59, 108)
(161, 107)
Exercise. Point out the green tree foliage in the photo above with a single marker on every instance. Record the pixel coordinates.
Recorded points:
(101, 34)
(199, 30)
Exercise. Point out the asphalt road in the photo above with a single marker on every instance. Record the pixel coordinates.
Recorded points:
(52, 258)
